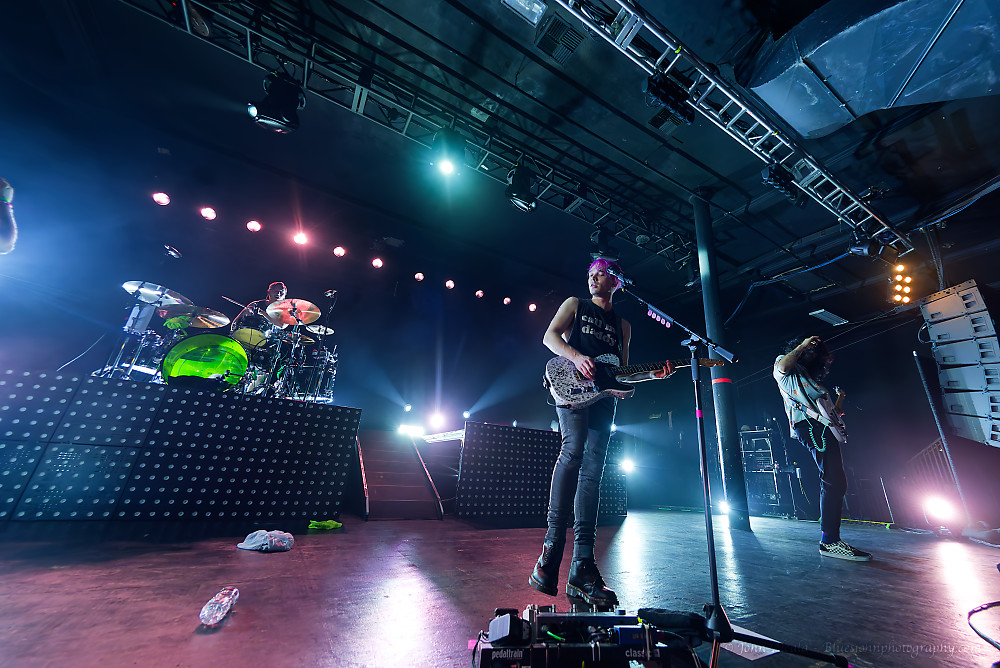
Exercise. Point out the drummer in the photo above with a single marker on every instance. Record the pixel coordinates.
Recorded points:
(254, 316)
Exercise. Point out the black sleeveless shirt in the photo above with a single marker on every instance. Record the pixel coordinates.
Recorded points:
(596, 331)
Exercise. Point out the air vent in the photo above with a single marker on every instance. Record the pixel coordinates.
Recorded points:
(556, 38)
(666, 121)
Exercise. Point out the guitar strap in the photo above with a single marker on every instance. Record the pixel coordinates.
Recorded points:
(814, 415)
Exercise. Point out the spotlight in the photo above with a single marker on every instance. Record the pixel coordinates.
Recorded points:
(450, 284)
(278, 111)
(529, 10)
(466, 414)
(207, 212)
(724, 507)
(162, 199)
(448, 151)
(664, 91)
(628, 465)
(614, 427)
(506, 301)
(514, 424)
(937, 508)
(601, 246)
(407, 408)
(532, 307)
(778, 177)
(253, 226)
(377, 262)
(872, 248)
(521, 189)
(899, 285)
(411, 430)
(480, 294)
(300, 238)
(436, 420)
(418, 276)
(340, 251)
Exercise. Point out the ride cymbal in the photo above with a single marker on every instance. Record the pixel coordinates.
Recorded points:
(290, 311)
(151, 293)
(201, 317)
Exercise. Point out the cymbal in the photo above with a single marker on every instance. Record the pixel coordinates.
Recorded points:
(319, 330)
(151, 293)
(285, 311)
(201, 317)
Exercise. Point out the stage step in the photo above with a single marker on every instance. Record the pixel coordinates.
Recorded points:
(397, 486)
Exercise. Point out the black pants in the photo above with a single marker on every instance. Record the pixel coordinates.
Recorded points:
(832, 477)
(576, 477)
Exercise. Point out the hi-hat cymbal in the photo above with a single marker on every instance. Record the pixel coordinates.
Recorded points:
(319, 330)
(286, 311)
(201, 317)
(293, 337)
(151, 293)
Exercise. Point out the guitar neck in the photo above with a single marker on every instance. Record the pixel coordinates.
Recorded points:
(651, 366)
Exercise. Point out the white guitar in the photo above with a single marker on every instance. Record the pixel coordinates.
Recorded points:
(570, 389)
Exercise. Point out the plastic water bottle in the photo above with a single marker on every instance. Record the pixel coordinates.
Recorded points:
(219, 606)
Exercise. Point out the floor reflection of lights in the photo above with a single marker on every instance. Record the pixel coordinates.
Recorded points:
(731, 586)
(962, 576)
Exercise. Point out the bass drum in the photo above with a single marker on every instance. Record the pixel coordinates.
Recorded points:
(205, 361)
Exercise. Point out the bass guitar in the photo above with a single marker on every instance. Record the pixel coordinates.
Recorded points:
(571, 390)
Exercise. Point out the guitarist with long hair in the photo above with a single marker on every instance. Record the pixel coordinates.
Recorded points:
(815, 421)
(581, 330)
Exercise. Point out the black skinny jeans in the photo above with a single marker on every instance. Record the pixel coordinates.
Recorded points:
(576, 477)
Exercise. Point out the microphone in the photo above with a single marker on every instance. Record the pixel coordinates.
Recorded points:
(171, 251)
(330, 293)
(619, 275)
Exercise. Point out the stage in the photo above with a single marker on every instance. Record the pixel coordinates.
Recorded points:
(414, 593)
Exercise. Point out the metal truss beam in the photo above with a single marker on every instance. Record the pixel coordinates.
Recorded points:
(655, 50)
(287, 33)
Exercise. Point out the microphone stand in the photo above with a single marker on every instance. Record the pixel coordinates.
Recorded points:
(719, 629)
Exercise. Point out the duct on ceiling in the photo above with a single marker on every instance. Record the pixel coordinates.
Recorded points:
(852, 57)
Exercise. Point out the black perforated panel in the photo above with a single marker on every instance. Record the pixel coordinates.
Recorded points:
(18, 460)
(105, 411)
(76, 482)
(506, 471)
(96, 448)
(32, 405)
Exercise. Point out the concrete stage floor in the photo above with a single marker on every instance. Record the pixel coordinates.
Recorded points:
(414, 593)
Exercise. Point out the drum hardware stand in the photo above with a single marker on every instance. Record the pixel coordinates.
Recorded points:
(139, 316)
(332, 296)
(717, 626)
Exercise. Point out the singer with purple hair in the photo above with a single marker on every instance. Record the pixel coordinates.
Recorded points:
(582, 329)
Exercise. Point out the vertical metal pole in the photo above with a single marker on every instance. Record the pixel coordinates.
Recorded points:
(944, 438)
(730, 455)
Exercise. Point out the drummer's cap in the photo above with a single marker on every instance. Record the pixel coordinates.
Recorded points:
(275, 285)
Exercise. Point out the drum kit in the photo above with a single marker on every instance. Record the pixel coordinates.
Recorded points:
(278, 350)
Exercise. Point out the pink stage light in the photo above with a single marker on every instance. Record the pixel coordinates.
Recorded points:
(506, 301)
(253, 226)
(939, 509)
(300, 238)
(419, 276)
(162, 199)
(340, 251)
(208, 213)
(450, 284)
(480, 294)
(377, 262)
(532, 307)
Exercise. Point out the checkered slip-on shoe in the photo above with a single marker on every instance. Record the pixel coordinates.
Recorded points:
(841, 550)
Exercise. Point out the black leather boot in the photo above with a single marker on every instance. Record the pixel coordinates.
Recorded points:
(545, 577)
(585, 582)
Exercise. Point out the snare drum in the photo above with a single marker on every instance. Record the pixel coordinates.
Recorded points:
(206, 360)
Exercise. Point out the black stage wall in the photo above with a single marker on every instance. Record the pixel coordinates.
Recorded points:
(80, 447)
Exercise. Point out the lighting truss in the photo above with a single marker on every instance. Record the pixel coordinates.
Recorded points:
(656, 51)
(289, 32)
